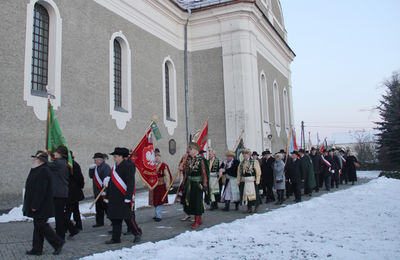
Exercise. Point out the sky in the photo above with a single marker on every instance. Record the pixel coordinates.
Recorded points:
(345, 50)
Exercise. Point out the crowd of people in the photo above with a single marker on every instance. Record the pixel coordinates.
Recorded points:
(54, 190)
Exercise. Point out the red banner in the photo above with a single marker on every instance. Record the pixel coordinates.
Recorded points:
(144, 158)
(201, 139)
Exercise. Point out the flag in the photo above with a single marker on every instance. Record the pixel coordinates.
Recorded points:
(293, 143)
(309, 145)
(155, 130)
(201, 138)
(324, 146)
(55, 137)
(239, 149)
(144, 158)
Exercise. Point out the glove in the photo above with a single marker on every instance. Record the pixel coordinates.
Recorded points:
(105, 200)
(106, 181)
(333, 171)
(127, 201)
(133, 197)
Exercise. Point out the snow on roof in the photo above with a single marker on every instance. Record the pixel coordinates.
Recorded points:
(194, 4)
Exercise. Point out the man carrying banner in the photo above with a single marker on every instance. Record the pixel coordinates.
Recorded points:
(98, 172)
(195, 183)
(119, 194)
(214, 166)
(249, 176)
(164, 179)
(231, 192)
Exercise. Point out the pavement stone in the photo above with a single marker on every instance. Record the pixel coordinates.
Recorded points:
(16, 237)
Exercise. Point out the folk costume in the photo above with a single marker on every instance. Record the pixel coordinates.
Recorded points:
(231, 192)
(156, 195)
(214, 187)
(97, 174)
(195, 183)
(249, 176)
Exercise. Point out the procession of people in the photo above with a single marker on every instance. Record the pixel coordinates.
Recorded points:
(53, 189)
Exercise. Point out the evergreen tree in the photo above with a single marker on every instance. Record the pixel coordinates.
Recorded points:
(389, 127)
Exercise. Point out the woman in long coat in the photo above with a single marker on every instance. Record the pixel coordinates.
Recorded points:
(278, 168)
(351, 167)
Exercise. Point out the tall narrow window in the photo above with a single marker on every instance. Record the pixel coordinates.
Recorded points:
(117, 75)
(277, 106)
(167, 95)
(286, 108)
(40, 50)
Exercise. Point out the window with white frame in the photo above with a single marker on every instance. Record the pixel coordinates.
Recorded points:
(286, 108)
(120, 79)
(169, 95)
(264, 97)
(42, 69)
(277, 107)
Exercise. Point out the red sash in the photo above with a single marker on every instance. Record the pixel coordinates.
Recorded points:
(97, 179)
(118, 182)
(343, 160)
(326, 161)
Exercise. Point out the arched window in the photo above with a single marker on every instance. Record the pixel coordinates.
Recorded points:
(169, 95)
(264, 98)
(117, 75)
(286, 109)
(120, 79)
(42, 70)
(277, 107)
(40, 50)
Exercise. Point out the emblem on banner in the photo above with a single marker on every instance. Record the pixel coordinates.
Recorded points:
(149, 158)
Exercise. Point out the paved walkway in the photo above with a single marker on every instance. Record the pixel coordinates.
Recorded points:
(16, 237)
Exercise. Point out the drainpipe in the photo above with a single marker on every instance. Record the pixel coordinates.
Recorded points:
(186, 79)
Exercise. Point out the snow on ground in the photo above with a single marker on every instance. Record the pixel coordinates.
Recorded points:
(368, 174)
(15, 214)
(357, 223)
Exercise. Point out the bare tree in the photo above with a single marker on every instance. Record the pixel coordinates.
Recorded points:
(365, 147)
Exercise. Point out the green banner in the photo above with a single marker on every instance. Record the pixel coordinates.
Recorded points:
(156, 131)
(55, 136)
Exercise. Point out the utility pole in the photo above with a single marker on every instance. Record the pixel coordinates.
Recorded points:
(303, 139)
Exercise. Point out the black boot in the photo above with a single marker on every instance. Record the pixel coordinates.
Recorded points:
(236, 205)
(226, 205)
(213, 205)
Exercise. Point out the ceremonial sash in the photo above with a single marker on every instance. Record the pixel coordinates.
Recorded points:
(119, 183)
(326, 161)
(97, 180)
(343, 160)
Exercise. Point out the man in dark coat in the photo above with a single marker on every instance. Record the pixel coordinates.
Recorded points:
(98, 171)
(343, 175)
(119, 194)
(316, 162)
(294, 173)
(308, 170)
(60, 180)
(231, 193)
(328, 168)
(338, 167)
(38, 204)
(75, 194)
(267, 176)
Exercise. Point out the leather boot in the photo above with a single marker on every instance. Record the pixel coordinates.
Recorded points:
(200, 220)
(236, 205)
(196, 222)
(226, 205)
(249, 209)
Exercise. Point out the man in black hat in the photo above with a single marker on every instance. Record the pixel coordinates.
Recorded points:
(119, 194)
(60, 180)
(316, 162)
(295, 175)
(267, 176)
(39, 205)
(98, 171)
(255, 155)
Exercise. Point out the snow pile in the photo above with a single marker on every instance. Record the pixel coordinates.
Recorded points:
(358, 223)
(368, 174)
(15, 214)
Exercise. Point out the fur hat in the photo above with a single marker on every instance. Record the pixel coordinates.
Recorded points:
(246, 151)
(230, 154)
(42, 156)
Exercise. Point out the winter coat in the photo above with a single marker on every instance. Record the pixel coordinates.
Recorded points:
(103, 170)
(267, 173)
(59, 177)
(117, 208)
(279, 175)
(38, 193)
(294, 171)
(76, 184)
(308, 170)
(316, 161)
(351, 168)
(231, 171)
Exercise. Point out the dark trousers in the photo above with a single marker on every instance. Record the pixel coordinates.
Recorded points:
(321, 180)
(296, 190)
(263, 187)
(288, 188)
(73, 209)
(60, 216)
(328, 182)
(42, 230)
(116, 229)
(132, 225)
(101, 209)
(343, 177)
(316, 181)
(335, 179)
(279, 194)
(270, 192)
